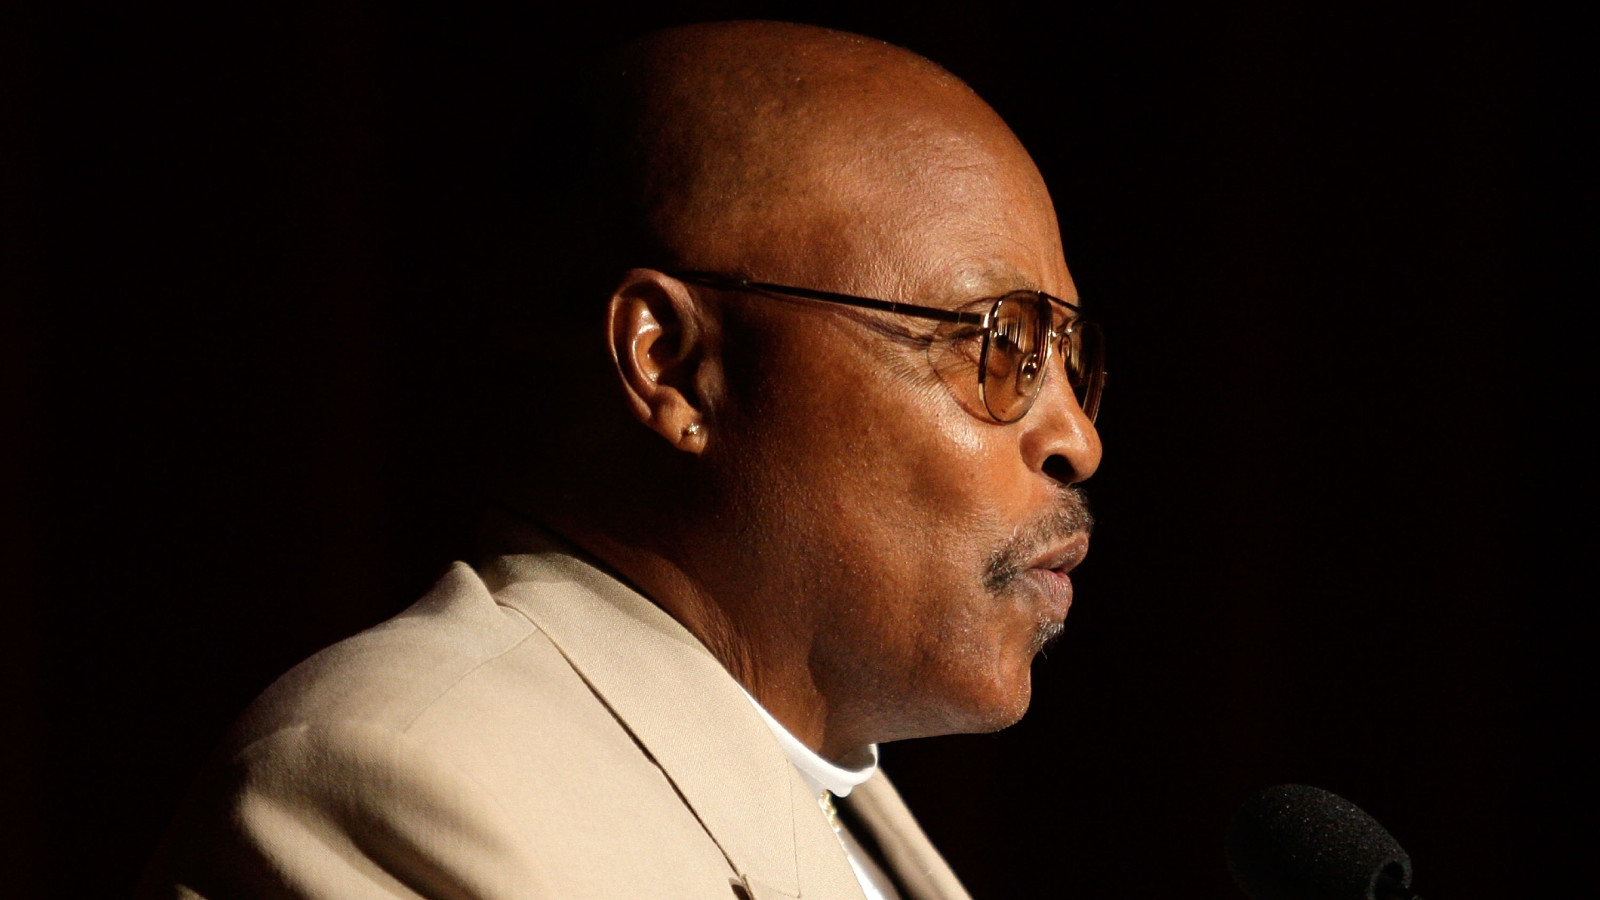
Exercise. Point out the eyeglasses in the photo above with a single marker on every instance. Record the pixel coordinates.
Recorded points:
(1017, 335)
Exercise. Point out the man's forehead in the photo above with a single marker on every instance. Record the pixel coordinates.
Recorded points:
(954, 244)
(992, 279)
(976, 220)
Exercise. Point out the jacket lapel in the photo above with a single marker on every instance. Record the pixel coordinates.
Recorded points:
(923, 873)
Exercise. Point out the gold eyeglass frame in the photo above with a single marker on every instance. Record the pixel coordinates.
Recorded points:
(1087, 333)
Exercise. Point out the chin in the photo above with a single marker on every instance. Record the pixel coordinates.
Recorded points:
(1002, 716)
(1002, 700)
(1046, 634)
(1002, 707)
(967, 700)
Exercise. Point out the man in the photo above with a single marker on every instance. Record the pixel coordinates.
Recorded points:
(797, 479)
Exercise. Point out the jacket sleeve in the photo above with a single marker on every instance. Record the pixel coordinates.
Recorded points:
(342, 810)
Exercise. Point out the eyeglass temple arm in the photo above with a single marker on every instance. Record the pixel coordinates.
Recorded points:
(723, 282)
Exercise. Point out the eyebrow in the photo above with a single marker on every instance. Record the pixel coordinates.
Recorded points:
(989, 282)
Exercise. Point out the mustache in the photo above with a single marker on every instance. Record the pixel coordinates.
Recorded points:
(1070, 516)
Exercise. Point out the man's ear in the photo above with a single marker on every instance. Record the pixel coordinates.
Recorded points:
(659, 334)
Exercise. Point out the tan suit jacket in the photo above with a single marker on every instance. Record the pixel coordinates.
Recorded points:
(539, 730)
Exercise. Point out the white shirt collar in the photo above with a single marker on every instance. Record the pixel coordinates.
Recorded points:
(819, 774)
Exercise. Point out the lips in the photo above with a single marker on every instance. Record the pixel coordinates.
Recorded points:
(1056, 541)
(1063, 557)
(1047, 572)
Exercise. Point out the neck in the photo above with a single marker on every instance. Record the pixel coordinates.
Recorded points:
(764, 649)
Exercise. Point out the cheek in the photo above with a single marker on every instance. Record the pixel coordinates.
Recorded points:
(870, 462)
(957, 473)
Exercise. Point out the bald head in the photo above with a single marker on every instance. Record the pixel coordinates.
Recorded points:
(750, 142)
(769, 150)
(748, 125)
(773, 151)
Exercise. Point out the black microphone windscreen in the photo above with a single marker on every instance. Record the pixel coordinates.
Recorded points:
(1294, 842)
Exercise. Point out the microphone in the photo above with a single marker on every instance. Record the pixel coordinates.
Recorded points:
(1295, 842)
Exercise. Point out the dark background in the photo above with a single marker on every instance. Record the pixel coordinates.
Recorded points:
(1344, 490)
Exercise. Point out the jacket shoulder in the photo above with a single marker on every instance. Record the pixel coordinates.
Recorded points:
(450, 751)
(392, 672)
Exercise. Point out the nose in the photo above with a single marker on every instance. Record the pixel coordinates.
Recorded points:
(1057, 439)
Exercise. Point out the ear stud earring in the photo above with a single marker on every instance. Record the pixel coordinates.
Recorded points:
(693, 430)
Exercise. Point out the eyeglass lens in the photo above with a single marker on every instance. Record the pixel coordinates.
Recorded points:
(1016, 346)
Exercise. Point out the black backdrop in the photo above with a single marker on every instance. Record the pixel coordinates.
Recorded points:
(1334, 247)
